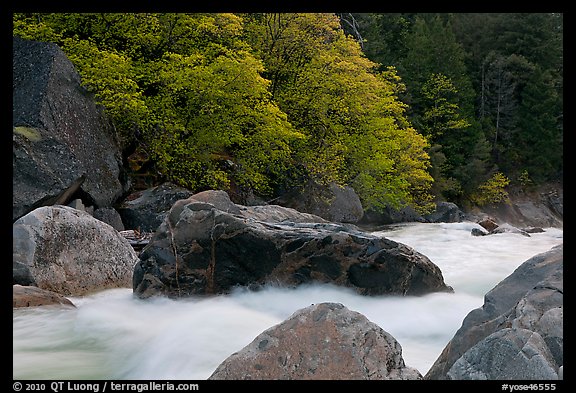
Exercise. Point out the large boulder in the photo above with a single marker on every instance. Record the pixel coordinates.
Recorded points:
(64, 146)
(518, 333)
(324, 341)
(525, 213)
(390, 215)
(200, 249)
(69, 252)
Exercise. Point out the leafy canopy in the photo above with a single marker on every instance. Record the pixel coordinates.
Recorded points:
(256, 101)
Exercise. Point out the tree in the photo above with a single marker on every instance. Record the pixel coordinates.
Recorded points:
(355, 126)
(441, 122)
(440, 114)
(505, 50)
(441, 102)
(490, 59)
(183, 88)
(539, 146)
(432, 49)
(384, 36)
(498, 105)
(492, 190)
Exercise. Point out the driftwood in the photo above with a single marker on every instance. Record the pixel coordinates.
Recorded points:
(137, 239)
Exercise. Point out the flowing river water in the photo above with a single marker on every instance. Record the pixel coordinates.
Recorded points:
(113, 335)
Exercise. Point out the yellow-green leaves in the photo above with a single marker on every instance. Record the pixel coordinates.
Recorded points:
(355, 125)
(492, 190)
(258, 101)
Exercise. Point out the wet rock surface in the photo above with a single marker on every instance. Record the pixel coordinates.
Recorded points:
(200, 249)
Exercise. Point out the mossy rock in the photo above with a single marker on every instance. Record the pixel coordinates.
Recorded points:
(30, 133)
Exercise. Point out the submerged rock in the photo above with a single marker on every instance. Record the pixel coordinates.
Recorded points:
(28, 296)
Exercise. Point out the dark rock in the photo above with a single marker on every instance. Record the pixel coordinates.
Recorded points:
(493, 228)
(325, 341)
(488, 223)
(445, 212)
(200, 249)
(63, 144)
(478, 232)
(554, 200)
(333, 203)
(543, 207)
(391, 216)
(507, 228)
(110, 216)
(533, 230)
(145, 210)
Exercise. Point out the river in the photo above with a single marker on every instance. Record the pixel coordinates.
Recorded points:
(113, 335)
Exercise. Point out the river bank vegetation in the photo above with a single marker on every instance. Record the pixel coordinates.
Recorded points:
(407, 109)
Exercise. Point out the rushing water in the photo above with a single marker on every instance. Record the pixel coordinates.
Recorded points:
(113, 335)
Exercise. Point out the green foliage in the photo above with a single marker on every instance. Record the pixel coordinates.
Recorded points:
(539, 143)
(506, 74)
(32, 27)
(220, 114)
(440, 114)
(110, 76)
(384, 36)
(515, 60)
(184, 87)
(432, 48)
(524, 179)
(259, 101)
(442, 106)
(492, 190)
(268, 101)
(355, 125)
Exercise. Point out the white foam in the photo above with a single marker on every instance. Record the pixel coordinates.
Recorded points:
(114, 335)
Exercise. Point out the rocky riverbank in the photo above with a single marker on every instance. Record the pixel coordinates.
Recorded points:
(71, 204)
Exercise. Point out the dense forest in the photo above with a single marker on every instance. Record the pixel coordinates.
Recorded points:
(406, 108)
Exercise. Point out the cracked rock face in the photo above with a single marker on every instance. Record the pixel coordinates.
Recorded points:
(323, 342)
(201, 249)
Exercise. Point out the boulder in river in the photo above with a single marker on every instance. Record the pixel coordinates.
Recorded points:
(202, 249)
(69, 252)
(325, 341)
(29, 296)
(518, 333)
